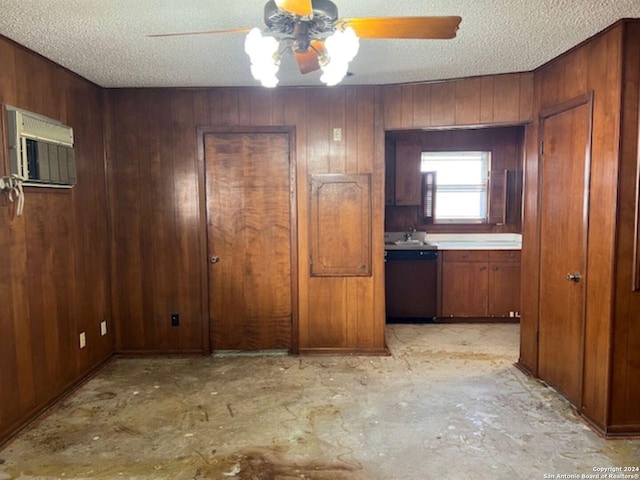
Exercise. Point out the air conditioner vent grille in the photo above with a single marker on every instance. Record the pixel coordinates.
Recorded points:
(33, 127)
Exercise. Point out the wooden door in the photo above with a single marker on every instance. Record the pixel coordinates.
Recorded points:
(566, 137)
(249, 235)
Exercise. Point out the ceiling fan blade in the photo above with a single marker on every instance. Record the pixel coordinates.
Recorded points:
(210, 32)
(403, 27)
(302, 8)
(308, 61)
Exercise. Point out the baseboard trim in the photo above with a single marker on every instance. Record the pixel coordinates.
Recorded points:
(477, 320)
(524, 368)
(10, 432)
(360, 352)
(159, 353)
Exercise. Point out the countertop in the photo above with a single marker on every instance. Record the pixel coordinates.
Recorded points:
(457, 241)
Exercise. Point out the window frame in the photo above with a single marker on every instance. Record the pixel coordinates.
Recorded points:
(462, 188)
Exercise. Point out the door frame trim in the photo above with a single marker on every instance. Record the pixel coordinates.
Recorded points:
(578, 101)
(290, 131)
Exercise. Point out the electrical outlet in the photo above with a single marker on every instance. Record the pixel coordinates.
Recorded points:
(175, 319)
(103, 328)
(83, 339)
(337, 134)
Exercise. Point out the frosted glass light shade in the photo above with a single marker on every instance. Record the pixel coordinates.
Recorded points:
(263, 52)
(341, 48)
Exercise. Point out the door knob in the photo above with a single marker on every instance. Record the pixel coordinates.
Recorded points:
(214, 259)
(574, 277)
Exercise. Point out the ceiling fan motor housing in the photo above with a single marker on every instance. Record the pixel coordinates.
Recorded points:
(282, 23)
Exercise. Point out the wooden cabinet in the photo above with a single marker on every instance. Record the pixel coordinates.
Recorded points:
(504, 283)
(407, 173)
(465, 283)
(340, 225)
(390, 172)
(480, 283)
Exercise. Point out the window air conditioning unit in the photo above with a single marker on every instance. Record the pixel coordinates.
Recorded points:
(40, 150)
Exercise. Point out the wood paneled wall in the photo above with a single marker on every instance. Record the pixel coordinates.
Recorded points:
(489, 100)
(158, 263)
(594, 66)
(157, 260)
(506, 145)
(54, 270)
(625, 381)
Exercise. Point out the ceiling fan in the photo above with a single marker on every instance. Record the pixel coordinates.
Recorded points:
(319, 39)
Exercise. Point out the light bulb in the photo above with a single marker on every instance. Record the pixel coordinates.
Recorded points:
(263, 53)
(341, 48)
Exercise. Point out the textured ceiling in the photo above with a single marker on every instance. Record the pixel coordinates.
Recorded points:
(105, 40)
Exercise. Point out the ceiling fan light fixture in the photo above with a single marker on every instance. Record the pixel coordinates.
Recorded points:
(265, 59)
(341, 47)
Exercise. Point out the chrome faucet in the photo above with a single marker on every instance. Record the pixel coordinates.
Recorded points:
(409, 233)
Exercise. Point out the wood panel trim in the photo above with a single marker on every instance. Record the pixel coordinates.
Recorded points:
(25, 420)
(584, 99)
(376, 352)
(289, 130)
(636, 240)
(363, 182)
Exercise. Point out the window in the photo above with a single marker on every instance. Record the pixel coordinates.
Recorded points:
(460, 185)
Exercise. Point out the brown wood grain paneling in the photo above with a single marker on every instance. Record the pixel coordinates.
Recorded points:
(7, 72)
(487, 100)
(157, 129)
(392, 101)
(408, 105)
(603, 66)
(506, 99)
(422, 105)
(526, 97)
(468, 101)
(605, 50)
(528, 359)
(56, 280)
(443, 104)
(625, 387)
(314, 112)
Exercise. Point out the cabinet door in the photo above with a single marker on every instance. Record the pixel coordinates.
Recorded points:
(464, 289)
(408, 178)
(340, 225)
(390, 173)
(504, 289)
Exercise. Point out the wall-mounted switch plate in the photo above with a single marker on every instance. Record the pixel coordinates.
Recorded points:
(337, 134)
(83, 339)
(103, 328)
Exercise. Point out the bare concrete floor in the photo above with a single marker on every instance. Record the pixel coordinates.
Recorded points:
(448, 404)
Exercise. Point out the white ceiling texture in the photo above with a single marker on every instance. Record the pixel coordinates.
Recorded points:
(106, 41)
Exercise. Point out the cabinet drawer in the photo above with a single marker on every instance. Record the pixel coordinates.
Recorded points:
(504, 256)
(465, 256)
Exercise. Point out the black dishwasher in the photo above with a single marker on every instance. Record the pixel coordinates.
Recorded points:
(411, 284)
